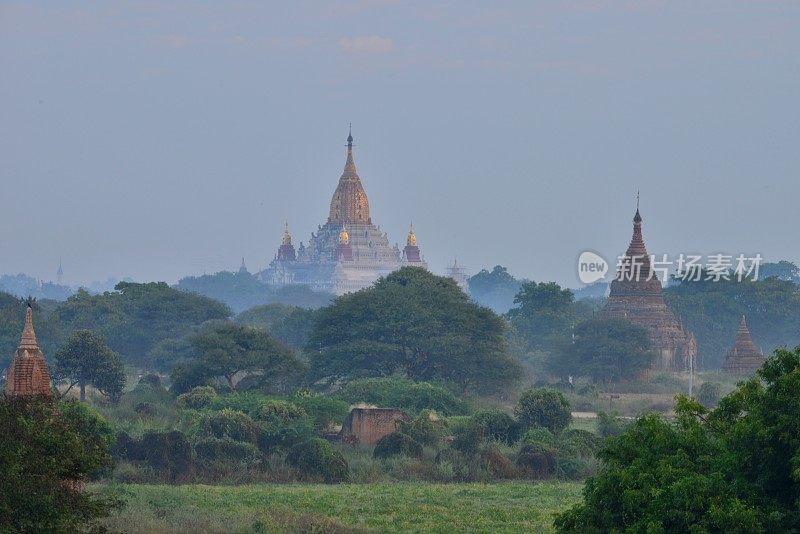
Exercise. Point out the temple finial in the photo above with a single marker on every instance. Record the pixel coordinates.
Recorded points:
(350, 135)
(637, 218)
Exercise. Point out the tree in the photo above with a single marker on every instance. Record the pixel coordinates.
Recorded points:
(544, 314)
(290, 325)
(135, 317)
(229, 351)
(415, 324)
(87, 360)
(783, 270)
(44, 446)
(730, 469)
(604, 350)
(495, 289)
(545, 408)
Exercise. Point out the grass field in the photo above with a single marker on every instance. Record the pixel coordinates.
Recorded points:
(407, 507)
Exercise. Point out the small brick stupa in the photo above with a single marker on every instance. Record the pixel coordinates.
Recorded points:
(744, 357)
(636, 296)
(27, 374)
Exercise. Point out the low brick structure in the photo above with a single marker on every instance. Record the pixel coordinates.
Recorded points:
(368, 425)
(744, 358)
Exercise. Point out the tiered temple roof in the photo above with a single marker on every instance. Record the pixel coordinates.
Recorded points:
(744, 357)
(340, 264)
(636, 296)
(27, 374)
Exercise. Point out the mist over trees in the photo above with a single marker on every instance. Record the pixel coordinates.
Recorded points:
(494, 289)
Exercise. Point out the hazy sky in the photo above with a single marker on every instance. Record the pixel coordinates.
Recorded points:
(162, 139)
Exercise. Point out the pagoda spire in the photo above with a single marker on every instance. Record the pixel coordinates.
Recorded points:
(350, 165)
(28, 340)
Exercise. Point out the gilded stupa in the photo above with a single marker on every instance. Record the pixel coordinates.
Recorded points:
(636, 296)
(347, 253)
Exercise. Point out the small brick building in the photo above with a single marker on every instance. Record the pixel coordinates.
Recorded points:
(368, 425)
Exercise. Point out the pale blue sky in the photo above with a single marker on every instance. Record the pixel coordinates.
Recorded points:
(155, 140)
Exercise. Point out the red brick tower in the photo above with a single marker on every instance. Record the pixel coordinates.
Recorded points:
(744, 357)
(27, 374)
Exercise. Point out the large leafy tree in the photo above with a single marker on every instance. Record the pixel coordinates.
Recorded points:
(415, 324)
(543, 315)
(86, 360)
(43, 447)
(604, 350)
(731, 469)
(135, 317)
(494, 289)
(230, 352)
(290, 325)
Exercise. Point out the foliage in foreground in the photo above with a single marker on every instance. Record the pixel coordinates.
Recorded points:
(42, 446)
(731, 469)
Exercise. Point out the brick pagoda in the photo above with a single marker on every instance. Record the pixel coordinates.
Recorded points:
(744, 357)
(27, 374)
(636, 296)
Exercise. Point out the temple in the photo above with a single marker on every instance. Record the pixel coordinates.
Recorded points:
(27, 374)
(636, 296)
(348, 252)
(744, 358)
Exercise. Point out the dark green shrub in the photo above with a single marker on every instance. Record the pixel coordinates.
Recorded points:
(610, 424)
(496, 463)
(497, 425)
(282, 424)
(198, 398)
(144, 409)
(543, 407)
(469, 440)
(167, 452)
(228, 424)
(242, 401)
(539, 435)
(319, 459)
(325, 411)
(575, 468)
(574, 442)
(397, 444)
(227, 450)
(404, 394)
(151, 380)
(540, 461)
(426, 428)
(708, 394)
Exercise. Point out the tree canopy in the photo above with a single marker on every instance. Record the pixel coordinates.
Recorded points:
(543, 315)
(87, 360)
(494, 289)
(730, 469)
(290, 325)
(231, 352)
(604, 350)
(414, 324)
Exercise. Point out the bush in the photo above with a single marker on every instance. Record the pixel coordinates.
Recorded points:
(547, 408)
(497, 425)
(610, 425)
(574, 442)
(469, 440)
(539, 435)
(228, 424)
(539, 460)
(496, 463)
(404, 394)
(145, 409)
(426, 428)
(151, 380)
(167, 452)
(325, 411)
(317, 458)
(397, 444)
(227, 450)
(198, 398)
(708, 394)
(282, 424)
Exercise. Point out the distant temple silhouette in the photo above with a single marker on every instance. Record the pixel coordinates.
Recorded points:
(744, 357)
(348, 252)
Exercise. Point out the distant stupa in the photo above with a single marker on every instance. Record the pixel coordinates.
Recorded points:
(744, 358)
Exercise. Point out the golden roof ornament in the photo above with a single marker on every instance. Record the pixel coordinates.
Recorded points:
(344, 237)
(349, 203)
(412, 237)
(287, 237)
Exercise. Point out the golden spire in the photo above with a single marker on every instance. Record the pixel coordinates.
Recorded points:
(412, 237)
(287, 237)
(28, 340)
(344, 237)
